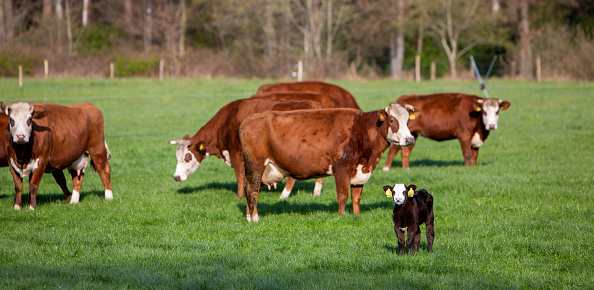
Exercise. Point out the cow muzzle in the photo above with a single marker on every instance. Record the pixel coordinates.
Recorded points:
(491, 127)
(20, 139)
(178, 178)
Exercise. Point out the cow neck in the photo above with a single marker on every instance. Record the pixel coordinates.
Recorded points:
(375, 131)
(209, 135)
(23, 153)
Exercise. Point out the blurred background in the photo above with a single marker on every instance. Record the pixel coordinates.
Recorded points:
(338, 39)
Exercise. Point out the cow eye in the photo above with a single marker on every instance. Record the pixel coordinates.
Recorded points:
(188, 157)
(11, 122)
(29, 121)
(392, 121)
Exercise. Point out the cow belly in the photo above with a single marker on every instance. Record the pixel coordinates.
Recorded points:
(360, 178)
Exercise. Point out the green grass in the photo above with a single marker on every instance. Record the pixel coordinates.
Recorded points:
(523, 218)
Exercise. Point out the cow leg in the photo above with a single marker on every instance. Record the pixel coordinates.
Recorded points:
(391, 155)
(400, 235)
(288, 188)
(239, 167)
(253, 185)
(356, 191)
(61, 181)
(76, 185)
(318, 187)
(18, 189)
(342, 190)
(34, 181)
(474, 156)
(406, 155)
(466, 151)
(104, 170)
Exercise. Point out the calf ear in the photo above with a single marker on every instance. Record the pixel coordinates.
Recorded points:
(388, 190)
(414, 187)
(503, 105)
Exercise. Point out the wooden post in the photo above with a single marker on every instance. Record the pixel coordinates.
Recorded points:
(417, 68)
(111, 71)
(433, 69)
(538, 71)
(20, 76)
(161, 69)
(513, 69)
(45, 68)
(300, 71)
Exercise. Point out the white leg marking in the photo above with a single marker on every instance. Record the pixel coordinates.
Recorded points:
(248, 218)
(255, 218)
(317, 190)
(17, 207)
(108, 194)
(386, 168)
(285, 194)
(31, 207)
(75, 197)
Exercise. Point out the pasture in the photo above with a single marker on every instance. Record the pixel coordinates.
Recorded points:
(523, 218)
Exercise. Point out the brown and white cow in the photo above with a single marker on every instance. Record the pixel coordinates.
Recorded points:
(344, 98)
(449, 116)
(220, 137)
(305, 144)
(44, 137)
(57, 174)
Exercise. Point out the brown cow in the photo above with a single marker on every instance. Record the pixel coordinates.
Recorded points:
(44, 137)
(305, 144)
(219, 136)
(344, 98)
(449, 116)
(58, 174)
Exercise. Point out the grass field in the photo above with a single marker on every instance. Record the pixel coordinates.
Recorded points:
(523, 218)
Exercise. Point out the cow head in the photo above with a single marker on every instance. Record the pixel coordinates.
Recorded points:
(400, 192)
(397, 117)
(490, 111)
(189, 155)
(21, 121)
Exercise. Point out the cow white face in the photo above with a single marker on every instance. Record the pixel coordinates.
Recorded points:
(21, 121)
(188, 159)
(398, 117)
(490, 111)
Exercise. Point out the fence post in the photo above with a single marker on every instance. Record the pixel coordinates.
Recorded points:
(20, 76)
(417, 68)
(300, 71)
(538, 71)
(111, 71)
(45, 68)
(161, 69)
(433, 69)
(513, 69)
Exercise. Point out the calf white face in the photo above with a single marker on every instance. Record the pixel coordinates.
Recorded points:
(490, 111)
(21, 121)
(187, 162)
(398, 117)
(399, 192)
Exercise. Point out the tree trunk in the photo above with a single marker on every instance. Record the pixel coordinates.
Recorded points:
(148, 26)
(397, 44)
(47, 9)
(329, 30)
(420, 37)
(182, 28)
(525, 45)
(452, 61)
(59, 16)
(85, 13)
(128, 14)
(269, 30)
(68, 27)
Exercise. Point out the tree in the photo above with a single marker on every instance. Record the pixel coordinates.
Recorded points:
(525, 42)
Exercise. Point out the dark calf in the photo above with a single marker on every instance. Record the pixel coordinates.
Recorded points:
(412, 209)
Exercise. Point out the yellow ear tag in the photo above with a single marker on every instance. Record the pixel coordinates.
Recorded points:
(388, 193)
(411, 192)
(382, 117)
(201, 147)
(478, 109)
(412, 117)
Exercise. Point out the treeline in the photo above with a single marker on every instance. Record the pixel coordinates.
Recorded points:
(267, 38)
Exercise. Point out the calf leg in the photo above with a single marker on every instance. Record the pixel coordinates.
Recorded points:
(400, 235)
(61, 181)
(76, 185)
(417, 240)
(356, 191)
(410, 239)
(288, 188)
(430, 232)
(391, 154)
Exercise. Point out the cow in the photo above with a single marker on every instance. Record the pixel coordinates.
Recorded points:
(412, 208)
(344, 98)
(57, 174)
(329, 95)
(449, 116)
(220, 137)
(305, 144)
(43, 137)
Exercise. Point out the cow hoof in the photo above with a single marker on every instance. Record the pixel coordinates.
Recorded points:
(249, 218)
(255, 218)
(17, 207)
(108, 195)
(386, 168)
(31, 207)
(68, 198)
(75, 197)
(317, 190)
(285, 194)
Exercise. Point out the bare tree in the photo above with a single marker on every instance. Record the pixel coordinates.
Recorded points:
(85, 13)
(182, 27)
(148, 25)
(525, 42)
(47, 9)
(397, 42)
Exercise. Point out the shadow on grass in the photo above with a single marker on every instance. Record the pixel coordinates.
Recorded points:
(303, 208)
(429, 163)
(394, 248)
(43, 198)
(300, 186)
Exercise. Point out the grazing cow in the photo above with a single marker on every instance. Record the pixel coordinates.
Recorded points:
(219, 137)
(411, 209)
(344, 98)
(58, 174)
(449, 116)
(305, 144)
(45, 137)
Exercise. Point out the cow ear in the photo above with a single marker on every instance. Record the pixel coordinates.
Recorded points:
(476, 106)
(2, 106)
(503, 105)
(382, 116)
(388, 191)
(6, 109)
(39, 115)
(201, 147)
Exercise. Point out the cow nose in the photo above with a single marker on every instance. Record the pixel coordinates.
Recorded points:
(492, 127)
(409, 140)
(177, 178)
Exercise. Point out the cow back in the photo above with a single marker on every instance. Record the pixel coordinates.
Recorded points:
(342, 96)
